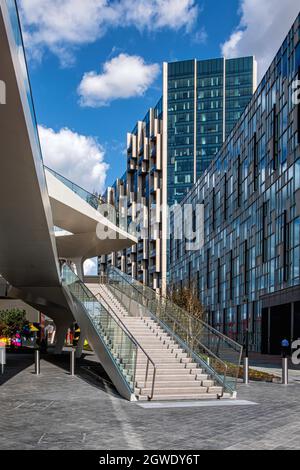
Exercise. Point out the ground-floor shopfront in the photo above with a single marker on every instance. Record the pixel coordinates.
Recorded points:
(280, 319)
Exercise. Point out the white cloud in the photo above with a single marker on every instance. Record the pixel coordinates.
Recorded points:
(63, 25)
(77, 157)
(157, 14)
(90, 267)
(263, 26)
(123, 76)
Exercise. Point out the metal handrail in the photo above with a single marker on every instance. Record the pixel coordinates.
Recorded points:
(211, 328)
(138, 345)
(92, 296)
(187, 348)
(177, 322)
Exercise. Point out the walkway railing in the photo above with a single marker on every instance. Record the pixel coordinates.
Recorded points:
(92, 199)
(218, 354)
(122, 347)
(141, 350)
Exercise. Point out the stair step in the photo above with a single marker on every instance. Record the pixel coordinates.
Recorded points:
(163, 349)
(148, 334)
(163, 354)
(215, 389)
(153, 342)
(201, 376)
(158, 359)
(208, 383)
(179, 374)
(174, 390)
(166, 384)
(192, 396)
(166, 365)
(184, 359)
(192, 366)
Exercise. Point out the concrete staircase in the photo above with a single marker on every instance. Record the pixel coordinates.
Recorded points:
(177, 376)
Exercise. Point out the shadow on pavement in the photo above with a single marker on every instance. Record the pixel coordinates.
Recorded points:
(87, 368)
(16, 362)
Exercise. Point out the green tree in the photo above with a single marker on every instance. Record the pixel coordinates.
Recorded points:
(12, 321)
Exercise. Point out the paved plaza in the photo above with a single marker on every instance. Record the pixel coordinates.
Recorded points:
(57, 411)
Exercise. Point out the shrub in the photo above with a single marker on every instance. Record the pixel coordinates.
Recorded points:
(11, 322)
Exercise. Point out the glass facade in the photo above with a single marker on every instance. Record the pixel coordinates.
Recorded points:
(205, 100)
(181, 110)
(250, 262)
(190, 119)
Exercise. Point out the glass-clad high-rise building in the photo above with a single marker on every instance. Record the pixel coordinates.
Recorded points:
(171, 147)
(247, 274)
(203, 101)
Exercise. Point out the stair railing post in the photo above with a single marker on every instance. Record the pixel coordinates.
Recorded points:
(153, 383)
(147, 372)
(135, 367)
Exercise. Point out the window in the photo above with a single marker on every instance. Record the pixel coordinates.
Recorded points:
(246, 267)
(275, 137)
(286, 246)
(231, 265)
(239, 182)
(264, 232)
(225, 196)
(297, 57)
(207, 268)
(255, 163)
(284, 147)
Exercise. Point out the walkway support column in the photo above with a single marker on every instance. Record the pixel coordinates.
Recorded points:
(80, 344)
(60, 335)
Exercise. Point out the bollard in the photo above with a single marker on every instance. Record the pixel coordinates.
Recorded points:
(285, 371)
(285, 350)
(246, 370)
(246, 358)
(37, 362)
(2, 358)
(72, 362)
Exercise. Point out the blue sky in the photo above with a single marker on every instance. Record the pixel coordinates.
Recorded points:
(97, 125)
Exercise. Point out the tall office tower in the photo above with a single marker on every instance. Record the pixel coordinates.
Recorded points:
(247, 274)
(172, 146)
(203, 99)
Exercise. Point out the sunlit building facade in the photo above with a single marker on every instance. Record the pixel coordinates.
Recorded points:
(248, 273)
(171, 147)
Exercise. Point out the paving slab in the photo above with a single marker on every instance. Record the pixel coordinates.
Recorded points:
(57, 411)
